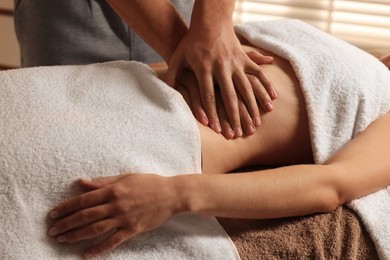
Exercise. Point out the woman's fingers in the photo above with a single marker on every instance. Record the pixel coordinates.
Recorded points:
(77, 203)
(109, 243)
(97, 183)
(79, 219)
(94, 230)
(133, 204)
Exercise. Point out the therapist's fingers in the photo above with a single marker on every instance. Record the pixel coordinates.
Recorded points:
(227, 130)
(265, 82)
(248, 126)
(248, 98)
(230, 100)
(207, 95)
(246, 121)
(261, 94)
(260, 59)
(176, 66)
(188, 81)
(197, 107)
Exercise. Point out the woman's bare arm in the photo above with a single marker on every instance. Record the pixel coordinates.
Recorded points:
(359, 168)
(131, 204)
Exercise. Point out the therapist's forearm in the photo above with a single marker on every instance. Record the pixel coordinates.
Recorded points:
(155, 21)
(209, 16)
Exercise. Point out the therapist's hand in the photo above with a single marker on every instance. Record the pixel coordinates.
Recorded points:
(123, 205)
(187, 81)
(218, 61)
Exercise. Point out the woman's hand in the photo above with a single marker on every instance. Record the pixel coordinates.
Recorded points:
(212, 51)
(123, 205)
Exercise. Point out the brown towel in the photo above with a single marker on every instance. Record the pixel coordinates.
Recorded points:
(336, 235)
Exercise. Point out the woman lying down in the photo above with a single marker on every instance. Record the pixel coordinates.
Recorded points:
(328, 134)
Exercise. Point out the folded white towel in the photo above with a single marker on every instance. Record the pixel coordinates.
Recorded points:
(345, 89)
(61, 123)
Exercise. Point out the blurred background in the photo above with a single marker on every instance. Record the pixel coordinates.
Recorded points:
(9, 49)
(364, 23)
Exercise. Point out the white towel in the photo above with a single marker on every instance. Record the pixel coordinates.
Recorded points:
(61, 123)
(345, 89)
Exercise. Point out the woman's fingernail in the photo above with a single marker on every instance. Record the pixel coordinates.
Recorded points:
(53, 231)
(54, 214)
(61, 239)
(274, 95)
(269, 106)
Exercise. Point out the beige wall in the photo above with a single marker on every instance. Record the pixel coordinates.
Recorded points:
(9, 49)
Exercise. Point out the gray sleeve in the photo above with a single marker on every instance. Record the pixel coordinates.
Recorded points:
(57, 32)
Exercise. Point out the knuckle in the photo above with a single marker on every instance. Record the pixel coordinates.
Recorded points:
(138, 228)
(131, 222)
(85, 216)
(83, 202)
(120, 208)
(97, 229)
(221, 61)
(98, 250)
(252, 79)
(246, 118)
(209, 98)
(205, 66)
(231, 95)
(63, 227)
(116, 192)
(247, 87)
(236, 122)
(116, 240)
(213, 117)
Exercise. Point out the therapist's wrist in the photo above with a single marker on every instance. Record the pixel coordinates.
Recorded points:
(209, 15)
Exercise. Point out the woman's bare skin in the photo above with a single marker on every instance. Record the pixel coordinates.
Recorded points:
(128, 203)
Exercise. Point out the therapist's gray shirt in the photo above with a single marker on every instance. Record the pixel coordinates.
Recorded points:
(57, 32)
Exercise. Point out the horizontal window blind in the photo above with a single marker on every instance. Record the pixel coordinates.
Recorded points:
(365, 23)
